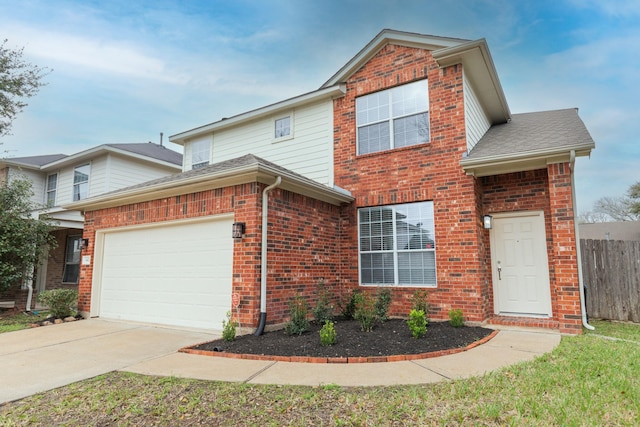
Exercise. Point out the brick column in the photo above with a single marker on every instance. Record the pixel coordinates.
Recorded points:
(566, 286)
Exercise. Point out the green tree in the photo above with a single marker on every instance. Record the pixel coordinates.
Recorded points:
(19, 80)
(23, 236)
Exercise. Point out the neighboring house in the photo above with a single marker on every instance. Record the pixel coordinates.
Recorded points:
(383, 177)
(615, 230)
(59, 179)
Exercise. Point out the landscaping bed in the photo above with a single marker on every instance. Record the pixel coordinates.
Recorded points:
(392, 337)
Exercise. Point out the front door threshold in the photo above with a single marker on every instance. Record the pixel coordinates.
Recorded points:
(522, 322)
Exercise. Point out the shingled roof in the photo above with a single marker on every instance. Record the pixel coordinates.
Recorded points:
(530, 139)
(247, 168)
(155, 151)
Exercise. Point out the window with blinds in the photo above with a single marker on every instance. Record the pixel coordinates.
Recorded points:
(397, 245)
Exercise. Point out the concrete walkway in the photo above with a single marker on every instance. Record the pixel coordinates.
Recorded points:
(41, 359)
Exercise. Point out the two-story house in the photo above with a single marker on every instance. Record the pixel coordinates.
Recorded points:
(62, 179)
(406, 170)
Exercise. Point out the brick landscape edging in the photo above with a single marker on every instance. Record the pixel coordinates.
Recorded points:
(308, 359)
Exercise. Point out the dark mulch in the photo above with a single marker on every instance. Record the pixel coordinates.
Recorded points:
(391, 338)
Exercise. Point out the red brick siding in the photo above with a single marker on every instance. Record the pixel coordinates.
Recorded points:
(303, 242)
(567, 287)
(548, 190)
(56, 261)
(424, 172)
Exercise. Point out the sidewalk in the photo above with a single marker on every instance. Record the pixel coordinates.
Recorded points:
(507, 348)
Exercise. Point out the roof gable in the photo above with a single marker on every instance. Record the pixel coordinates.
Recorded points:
(384, 38)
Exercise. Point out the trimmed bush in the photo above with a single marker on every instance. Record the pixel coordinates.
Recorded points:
(299, 324)
(323, 311)
(328, 334)
(347, 304)
(455, 318)
(383, 302)
(61, 302)
(366, 313)
(229, 328)
(417, 323)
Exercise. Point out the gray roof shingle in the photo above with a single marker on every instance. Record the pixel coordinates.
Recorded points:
(37, 160)
(150, 149)
(533, 132)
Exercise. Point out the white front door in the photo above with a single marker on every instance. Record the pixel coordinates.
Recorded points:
(520, 264)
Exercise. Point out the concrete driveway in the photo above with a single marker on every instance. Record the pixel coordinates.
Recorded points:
(40, 359)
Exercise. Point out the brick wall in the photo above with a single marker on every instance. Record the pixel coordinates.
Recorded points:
(419, 173)
(303, 242)
(56, 261)
(567, 287)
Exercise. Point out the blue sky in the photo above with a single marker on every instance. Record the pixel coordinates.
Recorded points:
(124, 71)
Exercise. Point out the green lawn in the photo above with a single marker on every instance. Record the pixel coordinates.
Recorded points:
(14, 322)
(586, 381)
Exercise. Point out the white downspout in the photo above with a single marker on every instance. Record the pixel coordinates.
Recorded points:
(263, 256)
(583, 305)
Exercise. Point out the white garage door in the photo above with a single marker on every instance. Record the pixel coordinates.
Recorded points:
(175, 274)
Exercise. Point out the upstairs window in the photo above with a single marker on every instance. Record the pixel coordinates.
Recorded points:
(393, 118)
(397, 245)
(200, 154)
(81, 182)
(283, 127)
(52, 187)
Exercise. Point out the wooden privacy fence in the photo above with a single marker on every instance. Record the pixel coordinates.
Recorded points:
(611, 272)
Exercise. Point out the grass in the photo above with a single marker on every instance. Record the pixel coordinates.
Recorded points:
(15, 322)
(585, 381)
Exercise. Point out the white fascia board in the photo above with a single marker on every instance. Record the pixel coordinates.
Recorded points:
(384, 38)
(521, 162)
(20, 165)
(481, 71)
(325, 93)
(94, 152)
(226, 178)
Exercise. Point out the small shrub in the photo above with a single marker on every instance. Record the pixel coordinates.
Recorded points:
(61, 302)
(419, 302)
(455, 318)
(383, 302)
(328, 334)
(229, 328)
(417, 323)
(365, 311)
(348, 304)
(299, 324)
(323, 310)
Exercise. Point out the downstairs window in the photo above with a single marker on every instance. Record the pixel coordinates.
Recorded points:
(397, 245)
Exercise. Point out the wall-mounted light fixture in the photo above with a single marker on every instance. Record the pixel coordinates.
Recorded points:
(237, 230)
(84, 243)
(487, 221)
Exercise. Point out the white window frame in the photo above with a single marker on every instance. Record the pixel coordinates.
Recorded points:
(390, 107)
(277, 137)
(77, 184)
(50, 194)
(399, 245)
(202, 148)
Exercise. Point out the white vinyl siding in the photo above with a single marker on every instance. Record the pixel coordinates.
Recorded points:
(37, 182)
(397, 245)
(309, 152)
(476, 121)
(124, 172)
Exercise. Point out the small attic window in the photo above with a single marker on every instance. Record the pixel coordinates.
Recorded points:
(283, 127)
(200, 154)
